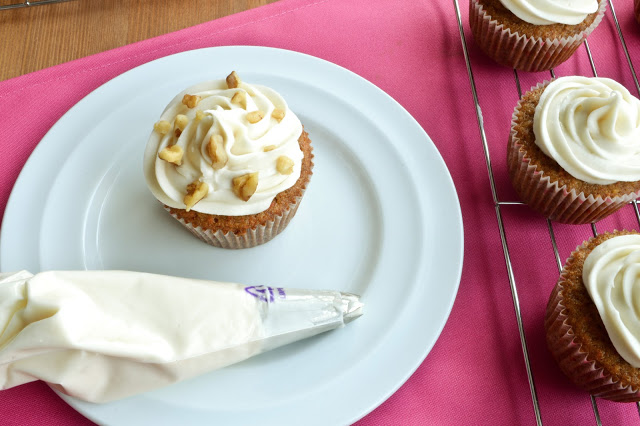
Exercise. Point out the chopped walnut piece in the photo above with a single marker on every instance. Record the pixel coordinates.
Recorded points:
(254, 116)
(162, 127)
(196, 191)
(191, 101)
(181, 121)
(245, 186)
(284, 165)
(269, 148)
(240, 98)
(199, 115)
(216, 152)
(233, 81)
(278, 114)
(172, 154)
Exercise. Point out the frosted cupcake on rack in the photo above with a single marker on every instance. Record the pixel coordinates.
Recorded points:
(574, 148)
(230, 161)
(533, 35)
(592, 320)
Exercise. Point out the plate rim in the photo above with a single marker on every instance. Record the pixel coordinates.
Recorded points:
(456, 243)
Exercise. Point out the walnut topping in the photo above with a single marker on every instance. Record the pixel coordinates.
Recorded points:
(269, 148)
(233, 81)
(216, 152)
(284, 165)
(199, 115)
(162, 127)
(278, 114)
(172, 154)
(181, 121)
(254, 116)
(196, 191)
(191, 101)
(240, 98)
(245, 186)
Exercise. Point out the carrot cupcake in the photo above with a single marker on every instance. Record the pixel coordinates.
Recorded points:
(532, 35)
(592, 320)
(230, 161)
(574, 148)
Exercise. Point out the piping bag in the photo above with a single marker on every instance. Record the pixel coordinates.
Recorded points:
(104, 335)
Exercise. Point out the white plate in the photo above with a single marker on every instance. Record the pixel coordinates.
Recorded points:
(381, 218)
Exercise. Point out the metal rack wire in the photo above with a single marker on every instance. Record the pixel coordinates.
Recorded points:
(499, 204)
(28, 3)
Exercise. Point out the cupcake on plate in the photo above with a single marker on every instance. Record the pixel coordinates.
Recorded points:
(574, 148)
(230, 161)
(592, 320)
(532, 35)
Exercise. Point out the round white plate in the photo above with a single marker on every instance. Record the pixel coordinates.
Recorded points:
(381, 218)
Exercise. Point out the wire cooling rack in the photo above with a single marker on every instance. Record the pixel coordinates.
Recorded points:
(499, 204)
(28, 3)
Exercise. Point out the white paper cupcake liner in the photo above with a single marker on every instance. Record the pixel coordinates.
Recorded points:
(549, 198)
(251, 238)
(585, 373)
(520, 51)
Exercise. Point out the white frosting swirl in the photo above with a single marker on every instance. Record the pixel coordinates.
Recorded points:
(611, 274)
(591, 128)
(547, 12)
(244, 145)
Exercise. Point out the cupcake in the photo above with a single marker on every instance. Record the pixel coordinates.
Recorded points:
(532, 35)
(574, 148)
(230, 161)
(592, 320)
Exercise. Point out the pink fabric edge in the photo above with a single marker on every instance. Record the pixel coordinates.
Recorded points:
(278, 9)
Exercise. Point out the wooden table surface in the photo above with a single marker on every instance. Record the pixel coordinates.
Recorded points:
(38, 37)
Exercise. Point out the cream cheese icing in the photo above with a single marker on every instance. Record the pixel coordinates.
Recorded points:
(252, 135)
(611, 274)
(547, 12)
(591, 128)
(105, 335)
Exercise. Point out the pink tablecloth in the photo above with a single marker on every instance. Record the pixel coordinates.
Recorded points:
(475, 374)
